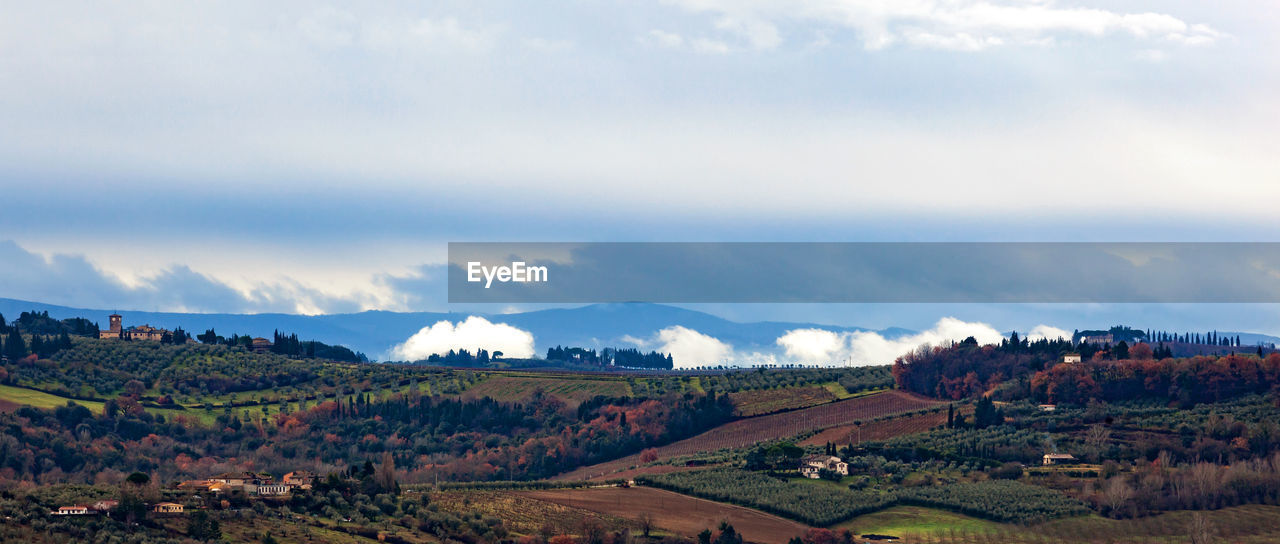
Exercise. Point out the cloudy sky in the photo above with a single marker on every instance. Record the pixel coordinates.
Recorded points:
(316, 157)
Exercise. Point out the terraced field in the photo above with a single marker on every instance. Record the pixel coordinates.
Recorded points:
(749, 431)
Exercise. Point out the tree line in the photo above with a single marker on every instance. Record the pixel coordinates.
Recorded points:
(610, 356)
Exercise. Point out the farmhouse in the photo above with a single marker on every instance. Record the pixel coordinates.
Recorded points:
(811, 466)
(1058, 459)
(260, 345)
(269, 490)
(301, 479)
(167, 508)
(251, 483)
(82, 510)
(240, 479)
(1098, 338)
(1071, 358)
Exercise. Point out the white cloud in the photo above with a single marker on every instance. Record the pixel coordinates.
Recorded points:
(709, 46)
(662, 38)
(1046, 332)
(966, 25)
(820, 347)
(758, 34)
(872, 348)
(336, 28)
(813, 345)
(691, 348)
(671, 40)
(473, 334)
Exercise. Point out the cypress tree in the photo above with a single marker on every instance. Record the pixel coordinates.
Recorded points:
(15, 347)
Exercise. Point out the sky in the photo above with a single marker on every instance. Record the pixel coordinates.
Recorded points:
(315, 157)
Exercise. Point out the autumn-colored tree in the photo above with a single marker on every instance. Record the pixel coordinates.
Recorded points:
(1141, 351)
(649, 455)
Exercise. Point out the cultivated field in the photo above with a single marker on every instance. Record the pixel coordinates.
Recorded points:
(569, 388)
(525, 514)
(746, 432)
(675, 512)
(757, 402)
(878, 430)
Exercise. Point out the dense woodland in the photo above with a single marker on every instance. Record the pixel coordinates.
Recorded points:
(1112, 372)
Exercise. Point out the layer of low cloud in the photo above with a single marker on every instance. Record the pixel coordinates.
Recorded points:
(473, 334)
(823, 347)
(692, 349)
(820, 347)
(1046, 332)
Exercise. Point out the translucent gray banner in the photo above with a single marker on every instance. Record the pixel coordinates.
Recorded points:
(864, 272)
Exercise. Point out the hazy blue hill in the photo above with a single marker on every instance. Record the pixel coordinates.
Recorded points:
(374, 332)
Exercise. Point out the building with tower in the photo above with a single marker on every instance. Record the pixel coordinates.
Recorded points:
(117, 331)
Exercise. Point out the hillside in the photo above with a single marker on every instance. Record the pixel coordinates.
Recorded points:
(955, 435)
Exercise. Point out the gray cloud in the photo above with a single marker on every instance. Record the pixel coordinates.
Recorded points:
(877, 272)
(424, 288)
(73, 280)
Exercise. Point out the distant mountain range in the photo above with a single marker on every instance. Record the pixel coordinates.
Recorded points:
(376, 332)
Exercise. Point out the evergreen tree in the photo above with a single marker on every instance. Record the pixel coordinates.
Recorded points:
(203, 528)
(985, 414)
(15, 347)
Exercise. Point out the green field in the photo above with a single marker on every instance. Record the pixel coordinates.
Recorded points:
(40, 399)
(916, 525)
(904, 521)
(571, 389)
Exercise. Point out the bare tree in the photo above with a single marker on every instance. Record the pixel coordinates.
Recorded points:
(1117, 494)
(386, 473)
(646, 524)
(1096, 438)
(1200, 529)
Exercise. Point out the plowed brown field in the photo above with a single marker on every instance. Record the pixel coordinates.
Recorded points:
(674, 512)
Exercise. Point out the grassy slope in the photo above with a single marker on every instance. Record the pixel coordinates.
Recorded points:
(909, 520)
(40, 399)
(1240, 524)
